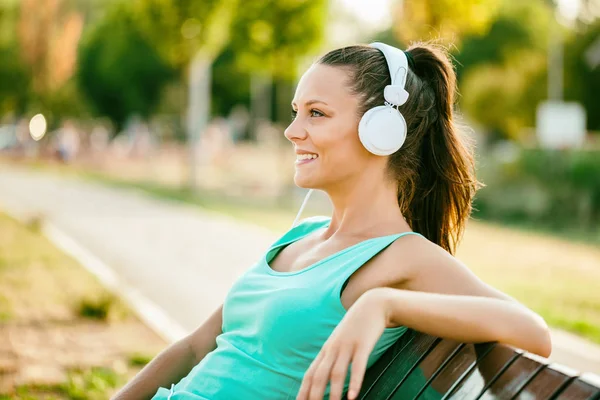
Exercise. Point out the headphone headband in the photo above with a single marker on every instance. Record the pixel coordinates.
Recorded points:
(398, 65)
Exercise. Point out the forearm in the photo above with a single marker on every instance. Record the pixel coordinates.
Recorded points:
(467, 318)
(170, 366)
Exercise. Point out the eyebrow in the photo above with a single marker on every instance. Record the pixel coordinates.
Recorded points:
(311, 102)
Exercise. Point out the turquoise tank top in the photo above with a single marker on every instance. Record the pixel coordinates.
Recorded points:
(275, 323)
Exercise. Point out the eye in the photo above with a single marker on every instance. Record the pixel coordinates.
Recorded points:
(316, 113)
(294, 114)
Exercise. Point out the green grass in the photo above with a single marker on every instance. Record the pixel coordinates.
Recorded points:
(99, 307)
(140, 359)
(5, 309)
(82, 384)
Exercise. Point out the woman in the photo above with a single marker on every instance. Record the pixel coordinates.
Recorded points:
(373, 128)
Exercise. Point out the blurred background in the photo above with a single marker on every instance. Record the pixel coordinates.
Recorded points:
(184, 103)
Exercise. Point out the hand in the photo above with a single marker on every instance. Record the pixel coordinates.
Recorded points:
(351, 342)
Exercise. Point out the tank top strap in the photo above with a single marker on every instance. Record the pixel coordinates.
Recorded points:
(304, 228)
(352, 261)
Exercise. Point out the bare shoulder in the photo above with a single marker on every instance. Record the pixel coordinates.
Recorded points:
(427, 267)
(391, 267)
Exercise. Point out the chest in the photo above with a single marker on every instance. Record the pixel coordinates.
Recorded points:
(307, 253)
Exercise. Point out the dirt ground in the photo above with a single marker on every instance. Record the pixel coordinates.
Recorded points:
(61, 335)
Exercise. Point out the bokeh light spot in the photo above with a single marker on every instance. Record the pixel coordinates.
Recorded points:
(37, 127)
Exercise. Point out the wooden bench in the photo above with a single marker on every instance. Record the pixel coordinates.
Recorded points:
(425, 367)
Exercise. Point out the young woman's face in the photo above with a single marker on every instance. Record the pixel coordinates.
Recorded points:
(324, 130)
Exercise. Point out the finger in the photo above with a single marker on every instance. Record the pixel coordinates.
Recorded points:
(359, 366)
(321, 377)
(308, 376)
(338, 374)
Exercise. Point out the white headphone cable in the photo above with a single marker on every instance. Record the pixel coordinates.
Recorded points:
(302, 207)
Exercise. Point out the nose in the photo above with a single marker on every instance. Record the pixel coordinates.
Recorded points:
(295, 131)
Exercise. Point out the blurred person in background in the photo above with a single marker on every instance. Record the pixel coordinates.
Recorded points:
(67, 142)
(333, 293)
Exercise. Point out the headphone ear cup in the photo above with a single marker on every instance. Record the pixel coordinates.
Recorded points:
(382, 130)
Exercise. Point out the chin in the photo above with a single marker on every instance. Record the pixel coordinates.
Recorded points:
(305, 182)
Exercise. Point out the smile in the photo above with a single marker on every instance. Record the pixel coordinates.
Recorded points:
(305, 158)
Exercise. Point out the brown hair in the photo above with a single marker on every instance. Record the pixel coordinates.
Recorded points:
(435, 167)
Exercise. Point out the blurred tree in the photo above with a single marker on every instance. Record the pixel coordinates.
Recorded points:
(14, 90)
(9, 15)
(120, 72)
(181, 29)
(270, 38)
(448, 20)
(230, 83)
(518, 26)
(189, 34)
(504, 97)
(49, 32)
(273, 35)
(503, 72)
(582, 71)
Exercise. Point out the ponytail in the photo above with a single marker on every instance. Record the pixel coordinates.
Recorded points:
(444, 183)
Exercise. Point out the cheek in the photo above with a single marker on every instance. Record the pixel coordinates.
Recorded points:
(345, 151)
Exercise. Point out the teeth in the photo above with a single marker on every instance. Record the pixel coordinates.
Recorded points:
(301, 157)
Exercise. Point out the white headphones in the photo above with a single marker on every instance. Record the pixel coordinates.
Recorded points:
(382, 129)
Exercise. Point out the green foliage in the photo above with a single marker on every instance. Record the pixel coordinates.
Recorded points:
(119, 71)
(503, 73)
(179, 29)
(582, 80)
(273, 35)
(230, 83)
(504, 98)
(14, 91)
(8, 22)
(518, 26)
(544, 188)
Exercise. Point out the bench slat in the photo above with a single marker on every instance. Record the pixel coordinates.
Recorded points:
(579, 390)
(547, 383)
(397, 367)
(417, 381)
(480, 351)
(377, 370)
(512, 380)
(445, 371)
(423, 367)
(488, 369)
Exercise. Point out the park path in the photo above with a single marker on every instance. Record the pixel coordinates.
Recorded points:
(180, 258)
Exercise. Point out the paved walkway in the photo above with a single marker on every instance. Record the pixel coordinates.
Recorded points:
(182, 259)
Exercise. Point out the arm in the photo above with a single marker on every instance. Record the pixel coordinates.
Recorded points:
(465, 318)
(457, 317)
(174, 363)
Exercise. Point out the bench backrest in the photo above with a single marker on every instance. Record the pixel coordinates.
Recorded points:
(425, 367)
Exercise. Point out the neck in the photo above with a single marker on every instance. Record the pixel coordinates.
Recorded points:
(365, 207)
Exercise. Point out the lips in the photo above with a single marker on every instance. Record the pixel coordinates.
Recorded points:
(304, 157)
